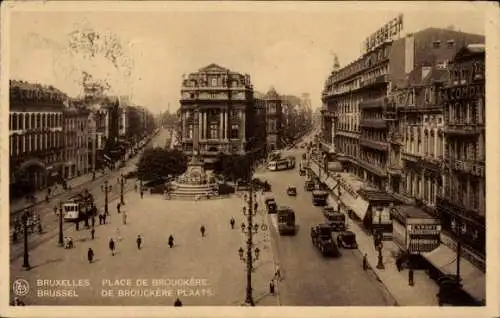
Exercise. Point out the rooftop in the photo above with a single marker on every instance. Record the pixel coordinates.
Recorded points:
(412, 211)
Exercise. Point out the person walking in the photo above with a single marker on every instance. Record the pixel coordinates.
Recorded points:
(271, 287)
(90, 255)
(142, 194)
(112, 246)
(171, 241)
(92, 232)
(410, 277)
(55, 211)
(178, 303)
(118, 206)
(139, 241)
(365, 262)
(277, 274)
(104, 216)
(124, 218)
(232, 221)
(100, 219)
(202, 230)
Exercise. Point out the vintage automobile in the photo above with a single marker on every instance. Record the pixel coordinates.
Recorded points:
(271, 205)
(319, 198)
(309, 185)
(347, 239)
(291, 191)
(321, 236)
(261, 184)
(335, 218)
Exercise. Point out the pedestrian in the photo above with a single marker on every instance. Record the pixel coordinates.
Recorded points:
(410, 277)
(93, 220)
(232, 223)
(398, 264)
(277, 274)
(92, 232)
(177, 303)
(135, 187)
(118, 234)
(77, 225)
(104, 216)
(365, 262)
(118, 205)
(124, 218)
(271, 286)
(171, 241)
(202, 230)
(90, 255)
(139, 242)
(243, 227)
(112, 246)
(142, 194)
(101, 219)
(55, 210)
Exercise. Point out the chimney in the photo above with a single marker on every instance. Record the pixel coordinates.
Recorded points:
(425, 71)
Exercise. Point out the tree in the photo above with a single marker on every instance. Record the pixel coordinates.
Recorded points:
(157, 163)
(233, 167)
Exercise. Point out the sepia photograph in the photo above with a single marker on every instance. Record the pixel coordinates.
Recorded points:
(288, 155)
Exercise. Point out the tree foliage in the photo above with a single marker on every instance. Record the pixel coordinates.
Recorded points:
(233, 167)
(157, 163)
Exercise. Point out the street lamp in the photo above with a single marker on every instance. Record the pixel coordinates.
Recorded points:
(61, 235)
(122, 182)
(458, 230)
(106, 188)
(26, 263)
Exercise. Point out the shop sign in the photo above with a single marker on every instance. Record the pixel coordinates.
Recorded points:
(347, 187)
(422, 237)
(388, 32)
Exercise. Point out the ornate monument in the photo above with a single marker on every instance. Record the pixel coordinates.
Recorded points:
(195, 183)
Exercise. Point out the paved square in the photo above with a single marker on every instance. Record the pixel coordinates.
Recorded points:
(208, 268)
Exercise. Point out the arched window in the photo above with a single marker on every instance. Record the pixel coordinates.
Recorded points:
(440, 145)
(27, 121)
(426, 142)
(33, 121)
(38, 121)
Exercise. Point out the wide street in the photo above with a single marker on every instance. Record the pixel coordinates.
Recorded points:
(309, 278)
(210, 263)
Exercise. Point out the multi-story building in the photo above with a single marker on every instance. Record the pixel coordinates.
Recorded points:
(36, 140)
(76, 142)
(221, 103)
(416, 138)
(274, 120)
(357, 116)
(462, 203)
(260, 124)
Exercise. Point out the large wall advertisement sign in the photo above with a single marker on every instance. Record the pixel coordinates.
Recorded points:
(388, 32)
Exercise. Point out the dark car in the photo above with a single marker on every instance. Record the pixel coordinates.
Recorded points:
(309, 185)
(347, 239)
(271, 205)
(291, 191)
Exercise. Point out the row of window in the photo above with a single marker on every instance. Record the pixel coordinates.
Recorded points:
(425, 144)
(466, 192)
(470, 113)
(25, 121)
(425, 188)
(349, 122)
(467, 72)
(214, 132)
(374, 134)
(20, 144)
(465, 150)
(374, 158)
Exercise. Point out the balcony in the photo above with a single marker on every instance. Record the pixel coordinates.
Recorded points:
(460, 165)
(411, 157)
(373, 123)
(459, 209)
(379, 80)
(374, 144)
(379, 171)
(373, 103)
(463, 128)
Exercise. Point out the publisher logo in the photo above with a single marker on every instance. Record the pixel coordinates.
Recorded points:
(21, 287)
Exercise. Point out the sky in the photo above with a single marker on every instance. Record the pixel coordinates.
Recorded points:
(288, 46)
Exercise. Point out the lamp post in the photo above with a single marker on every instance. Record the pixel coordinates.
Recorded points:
(26, 263)
(106, 188)
(458, 230)
(122, 182)
(380, 263)
(60, 242)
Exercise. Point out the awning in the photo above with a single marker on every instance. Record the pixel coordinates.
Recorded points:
(357, 205)
(473, 279)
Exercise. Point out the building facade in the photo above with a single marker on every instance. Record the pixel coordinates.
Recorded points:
(358, 122)
(36, 136)
(462, 204)
(223, 102)
(76, 142)
(274, 120)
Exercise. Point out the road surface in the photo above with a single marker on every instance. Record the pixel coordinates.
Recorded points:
(309, 278)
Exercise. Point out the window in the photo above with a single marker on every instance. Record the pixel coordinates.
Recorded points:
(190, 131)
(234, 131)
(450, 44)
(214, 131)
(214, 81)
(436, 44)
